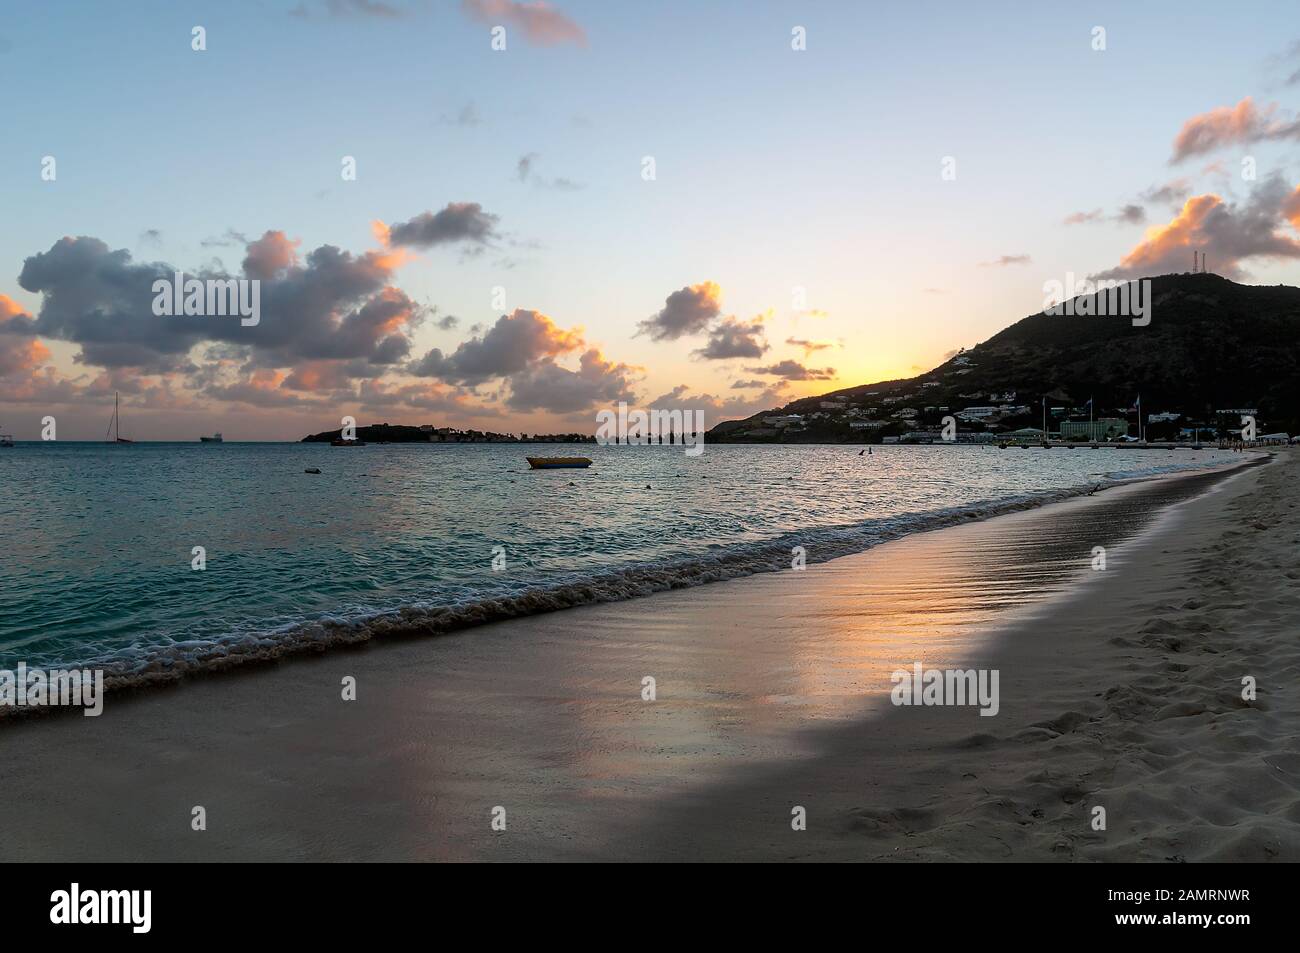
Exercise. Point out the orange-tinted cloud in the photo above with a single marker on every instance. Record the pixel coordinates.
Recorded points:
(9, 308)
(1291, 208)
(269, 255)
(540, 22)
(1228, 125)
(21, 354)
(13, 319)
(686, 311)
(1228, 233)
(516, 342)
(596, 383)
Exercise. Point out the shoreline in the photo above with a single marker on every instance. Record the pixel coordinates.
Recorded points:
(545, 715)
(167, 666)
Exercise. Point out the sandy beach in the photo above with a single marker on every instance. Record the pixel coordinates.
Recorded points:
(1119, 688)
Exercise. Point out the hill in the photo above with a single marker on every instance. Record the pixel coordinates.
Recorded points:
(1211, 344)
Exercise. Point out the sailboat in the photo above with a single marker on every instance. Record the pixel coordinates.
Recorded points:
(113, 426)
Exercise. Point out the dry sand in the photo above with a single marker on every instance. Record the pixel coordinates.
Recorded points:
(1119, 688)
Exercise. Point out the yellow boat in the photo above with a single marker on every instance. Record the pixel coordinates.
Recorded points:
(558, 463)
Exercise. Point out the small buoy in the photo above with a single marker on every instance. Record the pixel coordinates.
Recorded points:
(647, 486)
(312, 470)
(571, 483)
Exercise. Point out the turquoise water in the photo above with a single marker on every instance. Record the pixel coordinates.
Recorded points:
(95, 552)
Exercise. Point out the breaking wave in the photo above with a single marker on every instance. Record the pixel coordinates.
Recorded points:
(155, 664)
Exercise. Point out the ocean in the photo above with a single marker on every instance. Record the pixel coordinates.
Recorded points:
(97, 546)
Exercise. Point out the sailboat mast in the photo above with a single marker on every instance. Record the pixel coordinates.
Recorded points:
(117, 424)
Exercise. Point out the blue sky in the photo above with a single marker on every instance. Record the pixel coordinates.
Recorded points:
(775, 169)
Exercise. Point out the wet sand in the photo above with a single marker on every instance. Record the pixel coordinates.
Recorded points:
(1117, 689)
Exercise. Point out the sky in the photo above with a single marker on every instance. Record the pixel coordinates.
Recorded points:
(707, 205)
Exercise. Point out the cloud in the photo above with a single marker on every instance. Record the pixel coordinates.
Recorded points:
(525, 172)
(686, 311)
(332, 305)
(541, 23)
(1005, 260)
(809, 347)
(467, 116)
(731, 338)
(21, 354)
(260, 387)
(13, 319)
(1174, 192)
(1231, 125)
(371, 8)
(231, 237)
(794, 371)
(1229, 233)
(1131, 215)
(548, 386)
(1291, 209)
(1127, 215)
(513, 344)
(524, 166)
(715, 408)
(378, 396)
(1292, 56)
(458, 222)
(447, 322)
(1083, 218)
(270, 255)
(747, 384)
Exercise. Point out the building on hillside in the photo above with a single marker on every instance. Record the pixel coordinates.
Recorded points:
(1103, 428)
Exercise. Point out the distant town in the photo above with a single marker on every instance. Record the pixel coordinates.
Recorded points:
(900, 415)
